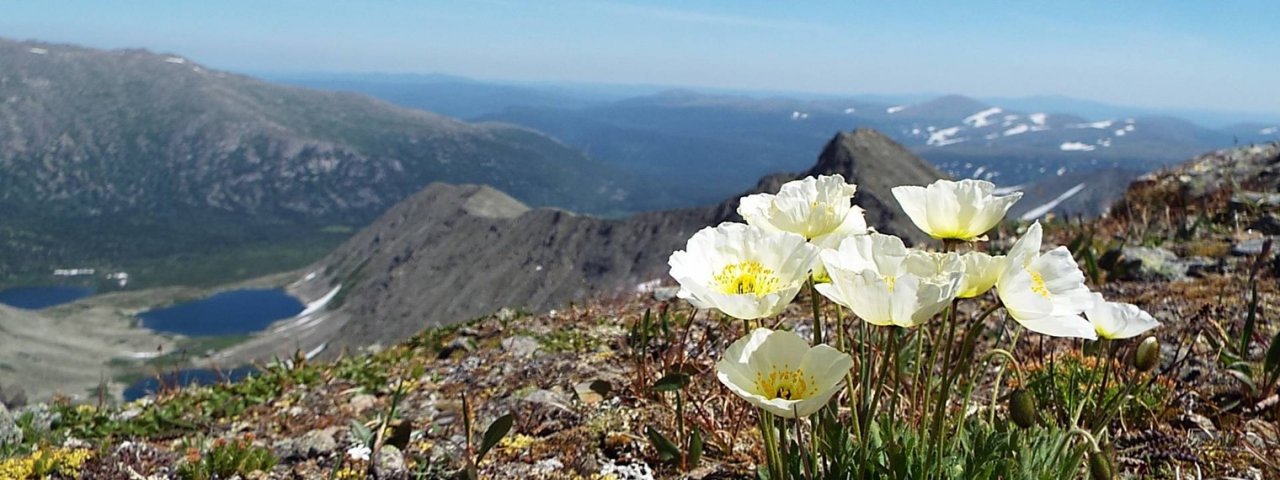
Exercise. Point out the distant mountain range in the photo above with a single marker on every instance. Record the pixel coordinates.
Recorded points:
(112, 158)
(707, 145)
(128, 159)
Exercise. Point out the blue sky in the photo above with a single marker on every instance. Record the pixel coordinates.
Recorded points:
(1213, 55)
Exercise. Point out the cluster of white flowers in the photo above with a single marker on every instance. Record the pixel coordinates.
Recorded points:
(811, 230)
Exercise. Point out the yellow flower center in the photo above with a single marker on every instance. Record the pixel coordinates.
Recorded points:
(747, 277)
(891, 282)
(787, 384)
(1037, 283)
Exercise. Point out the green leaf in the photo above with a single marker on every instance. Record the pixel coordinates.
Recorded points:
(1273, 356)
(362, 433)
(1243, 378)
(695, 448)
(494, 433)
(671, 382)
(668, 452)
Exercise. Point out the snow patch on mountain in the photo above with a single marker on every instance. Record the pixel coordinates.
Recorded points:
(1101, 124)
(943, 137)
(1038, 118)
(799, 115)
(895, 109)
(1020, 129)
(983, 118)
(1041, 210)
(1269, 130)
(1076, 147)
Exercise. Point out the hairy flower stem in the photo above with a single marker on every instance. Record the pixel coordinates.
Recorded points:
(940, 407)
(773, 456)
(894, 342)
(817, 313)
(967, 370)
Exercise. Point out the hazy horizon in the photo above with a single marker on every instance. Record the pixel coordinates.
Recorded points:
(1189, 56)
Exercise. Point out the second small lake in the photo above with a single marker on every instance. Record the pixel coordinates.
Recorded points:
(235, 312)
(35, 298)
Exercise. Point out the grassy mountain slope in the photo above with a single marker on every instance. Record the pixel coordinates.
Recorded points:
(157, 156)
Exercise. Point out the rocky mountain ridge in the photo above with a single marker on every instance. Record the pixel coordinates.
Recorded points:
(452, 253)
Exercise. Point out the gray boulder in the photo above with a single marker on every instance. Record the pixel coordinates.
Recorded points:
(1152, 264)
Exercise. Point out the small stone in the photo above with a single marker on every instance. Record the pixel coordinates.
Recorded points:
(1254, 200)
(459, 344)
(126, 414)
(506, 314)
(1199, 425)
(1200, 267)
(521, 346)
(663, 294)
(390, 462)
(1269, 224)
(593, 391)
(73, 443)
(550, 399)
(363, 402)
(316, 443)
(1252, 246)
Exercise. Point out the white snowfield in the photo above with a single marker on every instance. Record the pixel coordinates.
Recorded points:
(983, 118)
(320, 303)
(895, 109)
(1041, 210)
(943, 137)
(1076, 147)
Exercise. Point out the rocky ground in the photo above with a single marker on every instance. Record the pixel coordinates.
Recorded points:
(1191, 246)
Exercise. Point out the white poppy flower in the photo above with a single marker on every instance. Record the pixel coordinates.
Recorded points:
(743, 271)
(981, 272)
(959, 210)
(1114, 320)
(814, 208)
(779, 372)
(1045, 292)
(877, 278)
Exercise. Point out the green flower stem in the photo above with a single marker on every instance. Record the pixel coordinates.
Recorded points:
(817, 313)
(1106, 371)
(895, 337)
(680, 437)
(784, 459)
(995, 387)
(773, 460)
(940, 406)
(840, 325)
(808, 458)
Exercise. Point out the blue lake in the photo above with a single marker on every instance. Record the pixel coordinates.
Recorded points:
(186, 378)
(236, 312)
(35, 298)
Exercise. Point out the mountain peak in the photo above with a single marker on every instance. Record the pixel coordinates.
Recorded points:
(876, 164)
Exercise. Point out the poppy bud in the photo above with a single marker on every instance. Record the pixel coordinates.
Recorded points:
(1099, 467)
(1148, 355)
(1022, 408)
